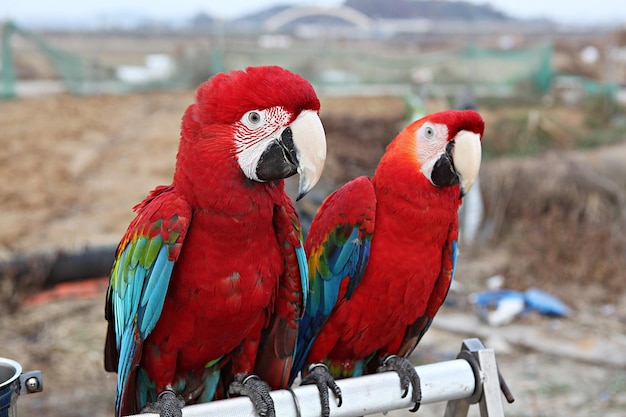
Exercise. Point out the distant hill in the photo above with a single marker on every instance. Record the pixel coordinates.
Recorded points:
(263, 14)
(404, 9)
(428, 9)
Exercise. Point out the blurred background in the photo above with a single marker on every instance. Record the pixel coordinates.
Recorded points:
(91, 100)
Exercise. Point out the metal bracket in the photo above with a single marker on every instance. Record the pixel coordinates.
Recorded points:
(489, 383)
(31, 382)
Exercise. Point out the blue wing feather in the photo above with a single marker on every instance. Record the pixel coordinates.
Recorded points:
(347, 262)
(140, 279)
(343, 260)
(453, 257)
(153, 296)
(338, 248)
(304, 272)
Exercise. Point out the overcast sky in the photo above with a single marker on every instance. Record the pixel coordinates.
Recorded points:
(566, 11)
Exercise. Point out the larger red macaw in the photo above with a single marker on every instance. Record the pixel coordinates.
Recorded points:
(209, 280)
(382, 254)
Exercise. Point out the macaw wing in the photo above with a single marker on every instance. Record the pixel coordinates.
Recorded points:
(338, 247)
(416, 331)
(139, 281)
(278, 341)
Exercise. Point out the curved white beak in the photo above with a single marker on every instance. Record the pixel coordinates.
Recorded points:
(466, 155)
(309, 140)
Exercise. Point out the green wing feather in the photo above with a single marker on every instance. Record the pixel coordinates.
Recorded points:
(139, 282)
(338, 248)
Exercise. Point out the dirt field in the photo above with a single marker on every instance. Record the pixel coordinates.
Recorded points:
(74, 167)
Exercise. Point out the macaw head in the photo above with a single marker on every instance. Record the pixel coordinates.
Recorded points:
(264, 118)
(446, 147)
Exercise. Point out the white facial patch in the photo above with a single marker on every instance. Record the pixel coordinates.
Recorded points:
(253, 134)
(432, 140)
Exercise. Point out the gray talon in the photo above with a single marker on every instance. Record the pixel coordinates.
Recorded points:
(168, 404)
(408, 376)
(257, 390)
(321, 377)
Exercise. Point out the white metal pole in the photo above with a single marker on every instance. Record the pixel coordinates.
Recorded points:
(370, 394)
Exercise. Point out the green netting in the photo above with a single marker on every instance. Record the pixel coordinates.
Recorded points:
(70, 68)
(490, 68)
(80, 75)
(327, 63)
(7, 69)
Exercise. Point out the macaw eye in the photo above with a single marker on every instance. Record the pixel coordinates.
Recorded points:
(252, 119)
(429, 132)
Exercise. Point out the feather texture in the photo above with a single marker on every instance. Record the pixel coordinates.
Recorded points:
(382, 252)
(338, 253)
(210, 279)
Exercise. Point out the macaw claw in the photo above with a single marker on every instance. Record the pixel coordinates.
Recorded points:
(257, 390)
(168, 404)
(320, 376)
(408, 376)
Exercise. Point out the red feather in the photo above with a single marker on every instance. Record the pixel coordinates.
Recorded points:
(410, 264)
(235, 287)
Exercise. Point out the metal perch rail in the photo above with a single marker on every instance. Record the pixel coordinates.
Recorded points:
(472, 378)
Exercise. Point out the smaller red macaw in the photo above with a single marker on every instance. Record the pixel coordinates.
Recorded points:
(382, 253)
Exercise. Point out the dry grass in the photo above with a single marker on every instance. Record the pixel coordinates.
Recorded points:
(563, 219)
